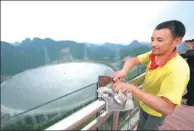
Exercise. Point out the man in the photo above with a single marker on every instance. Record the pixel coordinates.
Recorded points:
(166, 78)
(189, 54)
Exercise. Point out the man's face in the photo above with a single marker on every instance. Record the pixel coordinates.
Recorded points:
(189, 44)
(192, 44)
(162, 41)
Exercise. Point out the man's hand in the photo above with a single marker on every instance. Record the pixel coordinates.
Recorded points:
(129, 64)
(122, 87)
(120, 75)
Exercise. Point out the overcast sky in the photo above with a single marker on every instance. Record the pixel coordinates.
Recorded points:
(91, 21)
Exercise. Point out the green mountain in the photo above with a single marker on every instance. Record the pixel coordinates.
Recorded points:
(17, 57)
(13, 60)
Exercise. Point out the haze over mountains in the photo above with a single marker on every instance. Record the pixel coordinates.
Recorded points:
(17, 57)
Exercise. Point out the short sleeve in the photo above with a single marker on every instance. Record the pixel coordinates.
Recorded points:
(173, 85)
(144, 58)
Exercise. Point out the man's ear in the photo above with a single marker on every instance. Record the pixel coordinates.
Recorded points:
(177, 41)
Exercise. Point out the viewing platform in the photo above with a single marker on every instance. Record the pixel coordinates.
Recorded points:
(181, 119)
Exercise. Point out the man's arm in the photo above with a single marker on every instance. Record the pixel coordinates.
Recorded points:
(170, 94)
(159, 104)
(130, 63)
(141, 59)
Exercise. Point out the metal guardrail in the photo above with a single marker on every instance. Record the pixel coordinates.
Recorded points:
(78, 117)
(98, 121)
(81, 116)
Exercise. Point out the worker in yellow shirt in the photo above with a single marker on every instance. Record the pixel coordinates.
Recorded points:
(166, 78)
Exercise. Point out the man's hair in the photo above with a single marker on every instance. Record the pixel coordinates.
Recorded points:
(187, 40)
(192, 40)
(176, 28)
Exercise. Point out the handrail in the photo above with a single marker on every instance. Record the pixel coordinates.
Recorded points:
(78, 117)
(98, 121)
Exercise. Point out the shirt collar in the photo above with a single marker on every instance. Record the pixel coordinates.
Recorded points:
(154, 65)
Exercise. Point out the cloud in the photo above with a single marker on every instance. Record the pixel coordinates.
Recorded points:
(82, 21)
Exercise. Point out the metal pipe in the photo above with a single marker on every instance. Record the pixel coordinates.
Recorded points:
(115, 120)
(137, 70)
(98, 121)
(78, 117)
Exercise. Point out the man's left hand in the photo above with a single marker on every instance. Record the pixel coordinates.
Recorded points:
(122, 87)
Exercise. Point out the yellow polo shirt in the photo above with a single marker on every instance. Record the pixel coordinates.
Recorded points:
(169, 80)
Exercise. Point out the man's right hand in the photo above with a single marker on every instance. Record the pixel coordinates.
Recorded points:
(120, 75)
(129, 64)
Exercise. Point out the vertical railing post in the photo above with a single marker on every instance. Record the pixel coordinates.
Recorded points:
(137, 70)
(115, 125)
